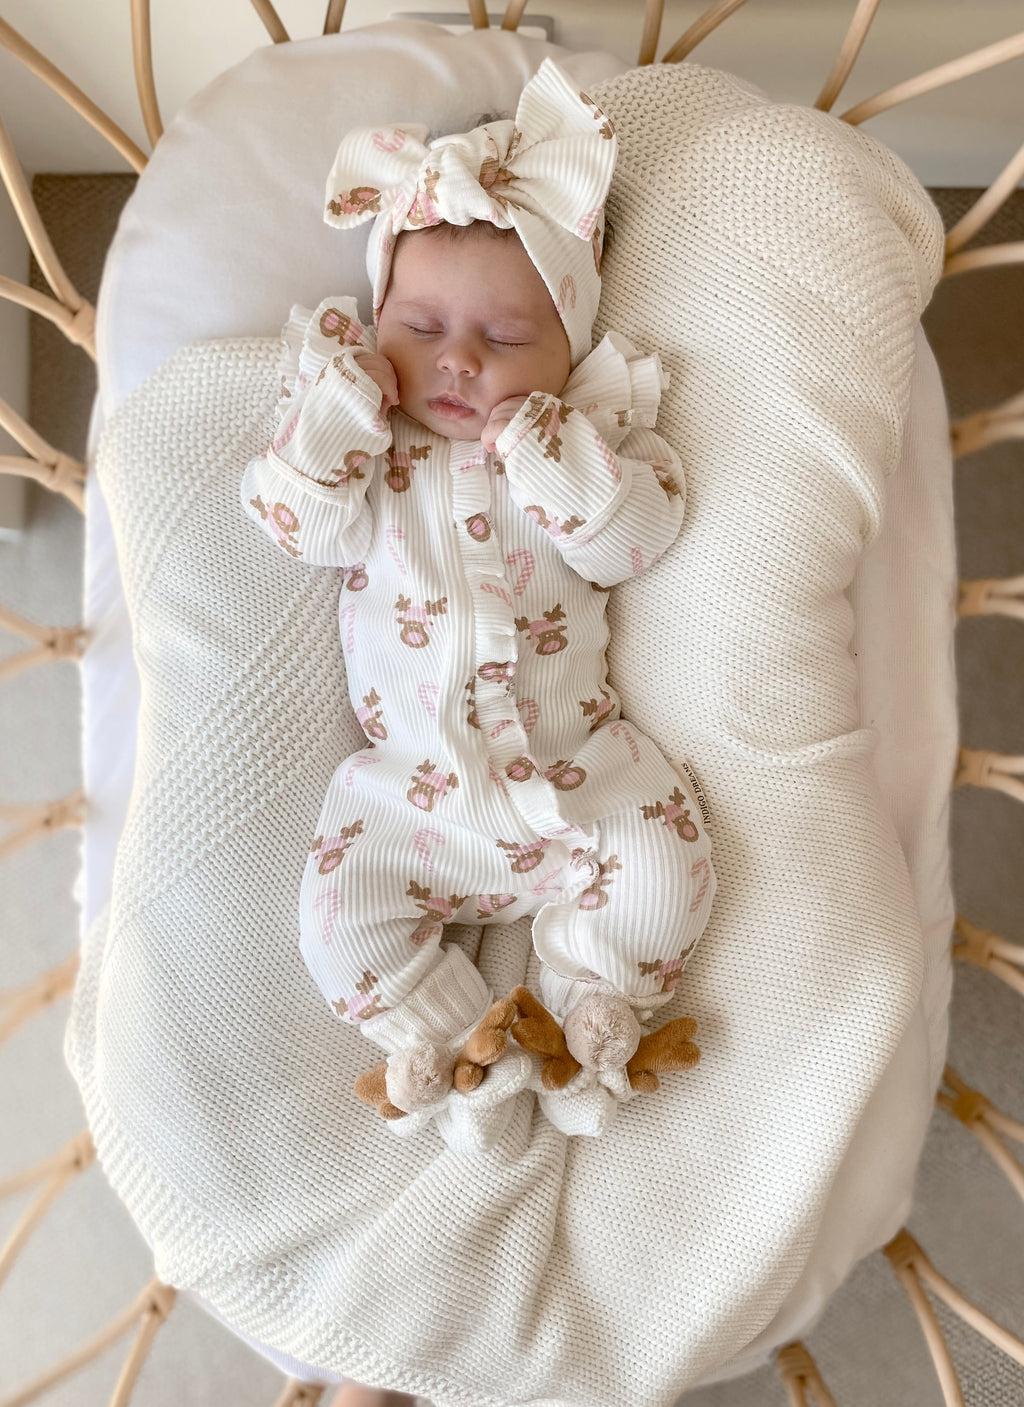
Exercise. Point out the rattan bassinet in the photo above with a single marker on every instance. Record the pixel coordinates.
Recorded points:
(986, 769)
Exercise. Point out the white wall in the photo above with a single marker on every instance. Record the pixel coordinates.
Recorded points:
(961, 136)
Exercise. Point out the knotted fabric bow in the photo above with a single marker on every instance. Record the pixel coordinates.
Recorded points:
(545, 174)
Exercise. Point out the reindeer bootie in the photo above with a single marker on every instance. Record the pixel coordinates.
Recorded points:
(422, 1036)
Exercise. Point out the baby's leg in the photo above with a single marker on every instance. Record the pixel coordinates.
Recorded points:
(370, 929)
(614, 952)
(381, 882)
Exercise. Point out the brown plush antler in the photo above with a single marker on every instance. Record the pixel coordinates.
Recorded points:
(532, 1026)
(539, 1032)
(667, 1048)
(485, 1045)
(371, 1087)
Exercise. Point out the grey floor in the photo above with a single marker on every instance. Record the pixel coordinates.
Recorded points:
(87, 1261)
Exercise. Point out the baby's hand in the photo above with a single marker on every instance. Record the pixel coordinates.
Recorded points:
(502, 414)
(382, 374)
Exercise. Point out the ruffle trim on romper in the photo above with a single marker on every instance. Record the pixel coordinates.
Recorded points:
(617, 389)
(497, 655)
(312, 337)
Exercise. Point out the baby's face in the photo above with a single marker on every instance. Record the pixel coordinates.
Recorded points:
(467, 323)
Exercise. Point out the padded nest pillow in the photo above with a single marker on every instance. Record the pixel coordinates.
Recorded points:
(779, 262)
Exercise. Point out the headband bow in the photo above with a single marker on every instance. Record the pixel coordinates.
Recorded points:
(545, 174)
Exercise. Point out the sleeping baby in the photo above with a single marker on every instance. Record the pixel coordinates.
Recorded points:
(482, 478)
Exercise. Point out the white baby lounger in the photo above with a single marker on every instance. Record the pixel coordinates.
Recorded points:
(582, 1269)
(788, 650)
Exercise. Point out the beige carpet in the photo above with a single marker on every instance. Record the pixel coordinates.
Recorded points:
(966, 1216)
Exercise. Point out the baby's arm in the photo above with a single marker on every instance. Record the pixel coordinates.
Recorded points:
(308, 489)
(610, 515)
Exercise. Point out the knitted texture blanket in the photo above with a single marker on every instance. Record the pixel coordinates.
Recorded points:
(779, 262)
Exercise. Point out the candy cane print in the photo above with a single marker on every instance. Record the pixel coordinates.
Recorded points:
(499, 728)
(703, 869)
(283, 436)
(552, 882)
(425, 843)
(425, 930)
(529, 712)
(361, 759)
(346, 619)
(617, 730)
(394, 536)
(611, 461)
(427, 695)
(524, 555)
(393, 139)
(328, 907)
(498, 591)
(566, 294)
(587, 224)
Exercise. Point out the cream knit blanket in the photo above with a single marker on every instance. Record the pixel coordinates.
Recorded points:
(779, 262)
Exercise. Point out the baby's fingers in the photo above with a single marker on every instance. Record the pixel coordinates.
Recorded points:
(380, 371)
(500, 417)
(491, 431)
(388, 390)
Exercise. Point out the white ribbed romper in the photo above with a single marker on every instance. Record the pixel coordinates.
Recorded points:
(499, 778)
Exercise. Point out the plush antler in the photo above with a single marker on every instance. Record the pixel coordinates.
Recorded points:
(532, 1026)
(485, 1045)
(539, 1032)
(667, 1048)
(371, 1087)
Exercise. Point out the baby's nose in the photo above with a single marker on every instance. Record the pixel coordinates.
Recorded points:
(459, 357)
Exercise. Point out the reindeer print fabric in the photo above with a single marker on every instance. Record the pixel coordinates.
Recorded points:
(498, 777)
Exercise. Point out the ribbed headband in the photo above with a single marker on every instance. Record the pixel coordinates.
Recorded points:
(545, 175)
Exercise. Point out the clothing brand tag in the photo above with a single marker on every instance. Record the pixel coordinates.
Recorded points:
(698, 792)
